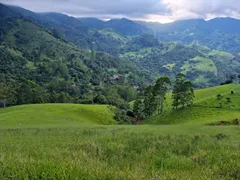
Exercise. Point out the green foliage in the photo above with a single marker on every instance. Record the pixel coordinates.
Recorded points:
(219, 96)
(63, 72)
(7, 94)
(150, 105)
(204, 67)
(138, 109)
(228, 99)
(160, 90)
(127, 93)
(183, 93)
(120, 115)
(205, 109)
(137, 43)
(100, 99)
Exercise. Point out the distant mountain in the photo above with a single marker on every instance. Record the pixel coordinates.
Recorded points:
(133, 44)
(219, 33)
(122, 26)
(127, 27)
(226, 25)
(68, 28)
(92, 22)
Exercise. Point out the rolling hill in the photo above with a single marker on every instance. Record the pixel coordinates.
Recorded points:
(49, 115)
(206, 108)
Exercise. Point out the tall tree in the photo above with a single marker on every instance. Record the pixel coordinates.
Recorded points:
(160, 90)
(7, 94)
(183, 92)
(138, 109)
(149, 101)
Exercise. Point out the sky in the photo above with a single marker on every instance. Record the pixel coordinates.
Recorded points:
(150, 10)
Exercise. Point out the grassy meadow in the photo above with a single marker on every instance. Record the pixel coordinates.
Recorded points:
(67, 141)
(121, 152)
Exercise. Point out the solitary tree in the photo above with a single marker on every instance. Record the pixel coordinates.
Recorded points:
(228, 99)
(160, 89)
(183, 92)
(219, 96)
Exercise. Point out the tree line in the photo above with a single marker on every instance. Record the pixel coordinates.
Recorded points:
(153, 98)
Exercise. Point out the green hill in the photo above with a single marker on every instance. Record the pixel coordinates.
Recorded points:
(206, 108)
(203, 66)
(47, 115)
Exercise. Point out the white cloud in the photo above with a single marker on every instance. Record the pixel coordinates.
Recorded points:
(154, 10)
(187, 9)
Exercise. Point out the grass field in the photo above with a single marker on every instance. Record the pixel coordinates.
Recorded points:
(55, 115)
(121, 152)
(67, 141)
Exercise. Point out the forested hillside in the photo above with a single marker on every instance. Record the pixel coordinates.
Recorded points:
(56, 53)
(205, 67)
(41, 68)
(68, 28)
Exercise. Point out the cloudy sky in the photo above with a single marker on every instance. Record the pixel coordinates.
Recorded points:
(151, 10)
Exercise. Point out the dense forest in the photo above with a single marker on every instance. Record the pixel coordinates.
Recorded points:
(33, 58)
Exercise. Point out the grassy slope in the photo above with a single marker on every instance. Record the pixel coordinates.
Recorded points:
(204, 109)
(200, 64)
(55, 115)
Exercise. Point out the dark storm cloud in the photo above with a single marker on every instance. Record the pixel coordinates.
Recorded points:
(100, 8)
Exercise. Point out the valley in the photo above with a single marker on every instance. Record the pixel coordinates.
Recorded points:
(85, 98)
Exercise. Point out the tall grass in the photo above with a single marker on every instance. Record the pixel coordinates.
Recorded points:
(121, 152)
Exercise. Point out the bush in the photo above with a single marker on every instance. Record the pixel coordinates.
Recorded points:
(121, 117)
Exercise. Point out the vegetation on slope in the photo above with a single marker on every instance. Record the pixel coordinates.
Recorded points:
(138, 45)
(30, 55)
(46, 115)
(203, 66)
(207, 108)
